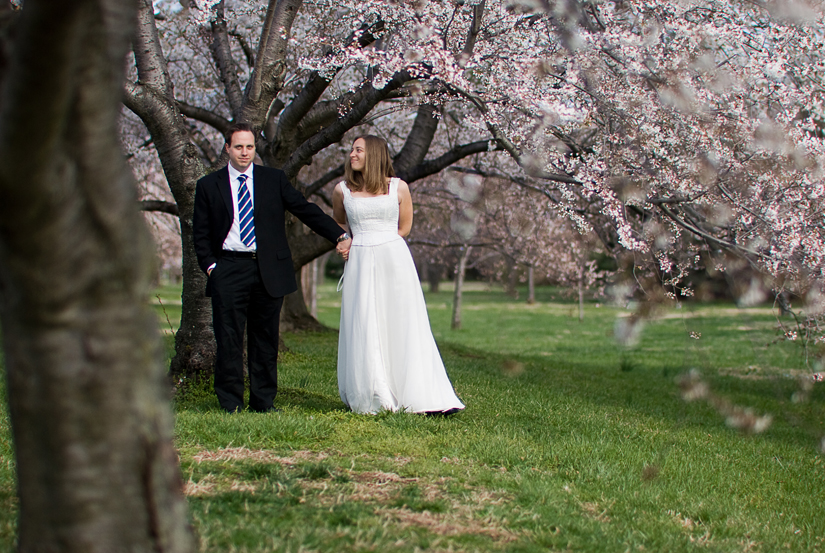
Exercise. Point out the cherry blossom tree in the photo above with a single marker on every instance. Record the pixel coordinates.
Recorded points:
(307, 84)
(678, 132)
(507, 227)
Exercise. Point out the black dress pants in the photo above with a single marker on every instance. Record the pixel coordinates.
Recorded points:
(239, 299)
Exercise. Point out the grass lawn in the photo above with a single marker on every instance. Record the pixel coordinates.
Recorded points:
(569, 442)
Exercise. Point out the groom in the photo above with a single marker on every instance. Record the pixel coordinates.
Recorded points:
(241, 244)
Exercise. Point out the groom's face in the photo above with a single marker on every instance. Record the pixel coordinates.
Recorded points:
(241, 150)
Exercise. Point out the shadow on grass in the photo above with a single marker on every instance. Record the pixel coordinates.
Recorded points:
(199, 397)
(309, 401)
(647, 389)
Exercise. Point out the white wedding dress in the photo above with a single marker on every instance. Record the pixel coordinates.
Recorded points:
(387, 357)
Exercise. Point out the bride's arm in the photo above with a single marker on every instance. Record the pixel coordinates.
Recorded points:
(405, 209)
(338, 211)
(340, 216)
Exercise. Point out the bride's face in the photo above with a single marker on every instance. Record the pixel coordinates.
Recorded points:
(358, 155)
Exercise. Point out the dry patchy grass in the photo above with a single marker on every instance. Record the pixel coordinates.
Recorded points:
(463, 510)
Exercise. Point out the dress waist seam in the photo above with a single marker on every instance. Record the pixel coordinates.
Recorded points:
(375, 239)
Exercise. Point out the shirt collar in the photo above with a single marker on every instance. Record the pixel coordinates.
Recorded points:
(234, 173)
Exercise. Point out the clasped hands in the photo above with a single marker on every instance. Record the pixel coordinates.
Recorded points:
(343, 247)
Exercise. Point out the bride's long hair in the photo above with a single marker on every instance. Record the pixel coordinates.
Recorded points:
(377, 167)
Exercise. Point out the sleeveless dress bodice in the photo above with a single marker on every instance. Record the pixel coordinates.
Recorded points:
(372, 220)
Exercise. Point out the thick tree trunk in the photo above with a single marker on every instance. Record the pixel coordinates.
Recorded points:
(295, 316)
(455, 323)
(96, 468)
(195, 347)
(305, 246)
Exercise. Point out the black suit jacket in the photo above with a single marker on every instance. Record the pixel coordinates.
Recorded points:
(273, 196)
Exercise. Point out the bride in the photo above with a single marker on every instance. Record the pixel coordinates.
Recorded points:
(387, 357)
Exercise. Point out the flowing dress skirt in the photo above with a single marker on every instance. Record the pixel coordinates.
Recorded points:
(387, 357)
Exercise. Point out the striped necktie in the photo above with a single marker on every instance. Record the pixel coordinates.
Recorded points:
(246, 213)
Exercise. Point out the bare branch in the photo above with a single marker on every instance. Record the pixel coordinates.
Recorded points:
(336, 173)
(159, 206)
(303, 154)
(475, 28)
(222, 56)
(149, 59)
(303, 102)
(145, 144)
(203, 144)
(204, 116)
(165, 124)
(270, 65)
(433, 166)
(419, 139)
(446, 32)
(247, 49)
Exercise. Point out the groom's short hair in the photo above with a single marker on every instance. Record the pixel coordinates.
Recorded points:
(238, 127)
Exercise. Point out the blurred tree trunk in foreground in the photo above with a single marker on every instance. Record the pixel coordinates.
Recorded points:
(92, 429)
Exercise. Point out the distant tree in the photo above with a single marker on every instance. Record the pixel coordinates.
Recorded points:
(92, 428)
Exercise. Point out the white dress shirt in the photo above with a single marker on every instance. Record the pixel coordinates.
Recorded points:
(233, 240)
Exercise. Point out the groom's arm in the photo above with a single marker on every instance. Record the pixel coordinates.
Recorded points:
(307, 212)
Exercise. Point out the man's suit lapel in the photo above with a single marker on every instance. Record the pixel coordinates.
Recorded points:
(226, 191)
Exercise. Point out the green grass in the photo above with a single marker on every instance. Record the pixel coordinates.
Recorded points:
(8, 487)
(569, 442)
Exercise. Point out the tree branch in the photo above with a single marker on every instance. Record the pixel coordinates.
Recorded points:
(247, 49)
(149, 60)
(303, 102)
(270, 65)
(433, 166)
(165, 124)
(313, 188)
(303, 154)
(418, 140)
(204, 116)
(301, 119)
(203, 144)
(709, 237)
(472, 33)
(506, 144)
(316, 84)
(159, 206)
(222, 56)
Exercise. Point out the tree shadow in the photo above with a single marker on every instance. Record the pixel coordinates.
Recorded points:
(309, 401)
(652, 390)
